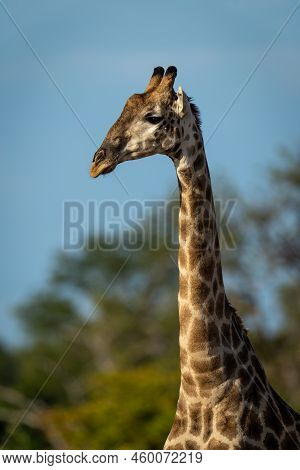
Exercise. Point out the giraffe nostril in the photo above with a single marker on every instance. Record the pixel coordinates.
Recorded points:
(99, 155)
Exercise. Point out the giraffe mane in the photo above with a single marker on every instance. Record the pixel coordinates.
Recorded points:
(196, 112)
(236, 316)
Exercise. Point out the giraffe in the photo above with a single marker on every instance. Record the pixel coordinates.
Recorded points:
(225, 400)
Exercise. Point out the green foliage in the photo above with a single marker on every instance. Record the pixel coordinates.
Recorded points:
(46, 312)
(132, 409)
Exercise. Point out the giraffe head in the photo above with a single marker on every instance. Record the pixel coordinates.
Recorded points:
(149, 124)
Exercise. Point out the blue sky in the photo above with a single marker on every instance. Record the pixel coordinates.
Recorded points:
(101, 52)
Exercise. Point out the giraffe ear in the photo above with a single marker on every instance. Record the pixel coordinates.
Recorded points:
(181, 102)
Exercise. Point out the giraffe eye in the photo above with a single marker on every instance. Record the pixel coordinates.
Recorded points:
(153, 119)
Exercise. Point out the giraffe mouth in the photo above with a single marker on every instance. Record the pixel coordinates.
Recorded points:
(101, 168)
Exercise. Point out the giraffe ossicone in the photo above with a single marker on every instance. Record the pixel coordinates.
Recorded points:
(225, 400)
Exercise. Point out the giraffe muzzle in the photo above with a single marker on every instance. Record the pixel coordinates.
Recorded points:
(101, 165)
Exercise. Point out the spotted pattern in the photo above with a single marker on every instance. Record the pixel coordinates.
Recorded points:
(225, 400)
(224, 386)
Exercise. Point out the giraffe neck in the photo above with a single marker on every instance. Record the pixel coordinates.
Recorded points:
(207, 322)
(225, 400)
